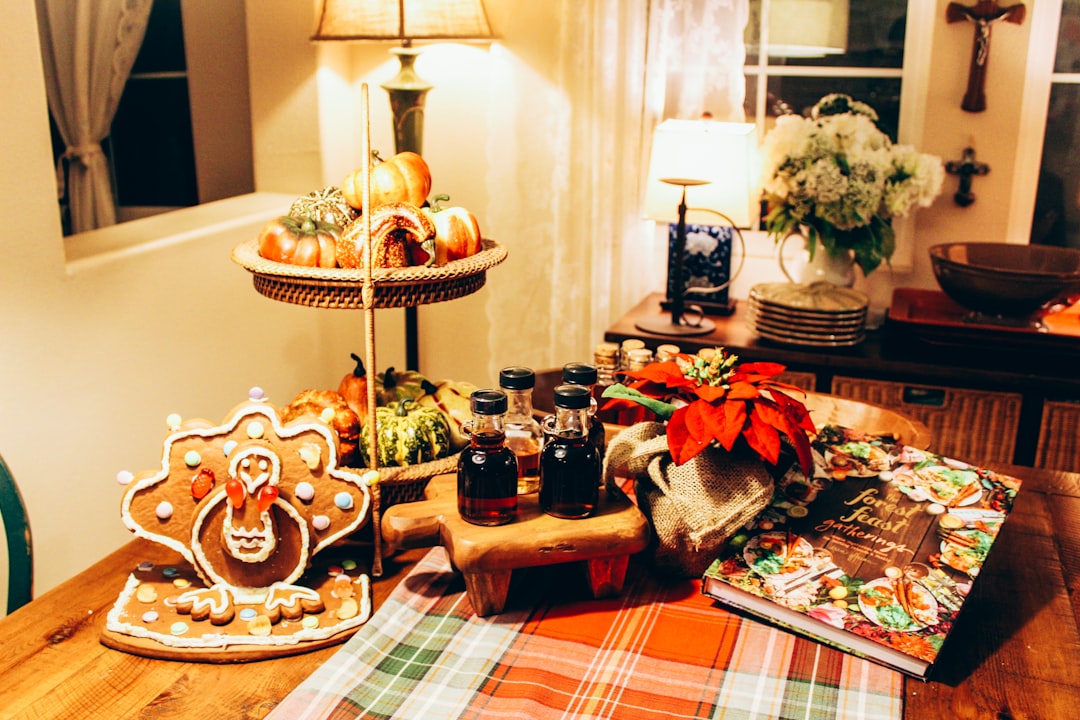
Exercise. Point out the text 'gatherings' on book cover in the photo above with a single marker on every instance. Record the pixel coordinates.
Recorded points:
(875, 554)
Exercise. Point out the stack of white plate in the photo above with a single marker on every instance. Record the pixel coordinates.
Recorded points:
(815, 315)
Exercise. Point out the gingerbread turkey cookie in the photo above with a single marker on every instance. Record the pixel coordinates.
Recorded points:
(249, 504)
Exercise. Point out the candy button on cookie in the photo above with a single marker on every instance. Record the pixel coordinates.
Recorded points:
(146, 593)
(260, 626)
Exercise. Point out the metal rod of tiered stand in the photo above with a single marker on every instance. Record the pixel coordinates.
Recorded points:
(368, 299)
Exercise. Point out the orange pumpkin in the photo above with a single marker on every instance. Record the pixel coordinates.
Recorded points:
(457, 232)
(299, 242)
(405, 177)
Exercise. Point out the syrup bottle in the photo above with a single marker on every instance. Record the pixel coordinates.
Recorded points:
(569, 463)
(487, 472)
(523, 434)
(585, 375)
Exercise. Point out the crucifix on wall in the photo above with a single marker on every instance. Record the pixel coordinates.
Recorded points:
(983, 13)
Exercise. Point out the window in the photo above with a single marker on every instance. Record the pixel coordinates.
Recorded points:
(817, 47)
(1056, 220)
(152, 150)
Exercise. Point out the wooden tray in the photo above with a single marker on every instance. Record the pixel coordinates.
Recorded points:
(931, 316)
(487, 556)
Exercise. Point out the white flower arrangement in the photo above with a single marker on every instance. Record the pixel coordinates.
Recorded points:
(840, 177)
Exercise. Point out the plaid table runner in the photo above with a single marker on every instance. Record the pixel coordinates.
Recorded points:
(657, 651)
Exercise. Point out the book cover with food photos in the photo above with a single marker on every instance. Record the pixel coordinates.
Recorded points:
(875, 554)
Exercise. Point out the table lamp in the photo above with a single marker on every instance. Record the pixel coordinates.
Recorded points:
(697, 169)
(405, 21)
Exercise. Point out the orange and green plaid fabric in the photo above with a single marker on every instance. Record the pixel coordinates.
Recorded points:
(657, 651)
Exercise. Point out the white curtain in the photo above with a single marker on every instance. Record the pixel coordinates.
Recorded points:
(88, 48)
(569, 162)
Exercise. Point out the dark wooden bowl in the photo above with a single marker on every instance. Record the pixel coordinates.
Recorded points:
(1005, 279)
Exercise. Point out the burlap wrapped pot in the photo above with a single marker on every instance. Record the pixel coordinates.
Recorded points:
(694, 507)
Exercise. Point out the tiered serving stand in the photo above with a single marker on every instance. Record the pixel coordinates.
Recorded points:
(369, 289)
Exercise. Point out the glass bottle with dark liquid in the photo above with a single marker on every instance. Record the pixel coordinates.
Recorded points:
(523, 434)
(569, 463)
(584, 374)
(487, 470)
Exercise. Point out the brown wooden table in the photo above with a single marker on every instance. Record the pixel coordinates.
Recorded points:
(1015, 652)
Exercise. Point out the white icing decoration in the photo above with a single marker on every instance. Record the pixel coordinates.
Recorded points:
(164, 510)
(343, 500)
(124, 477)
(228, 447)
(305, 491)
(255, 429)
(327, 415)
(173, 421)
(150, 616)
(256, 394)
(320, 522)
(192, 458)
(311, 454)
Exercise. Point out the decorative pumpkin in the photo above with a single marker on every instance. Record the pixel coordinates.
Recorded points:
(408, 434)
(392, 386)
(343, 420)
(405, 177)
(327, 205)
(300, 242)
(353, 387)
(452, 399)
(457, 233)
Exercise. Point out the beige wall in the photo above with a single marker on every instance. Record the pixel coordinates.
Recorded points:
(96, 354)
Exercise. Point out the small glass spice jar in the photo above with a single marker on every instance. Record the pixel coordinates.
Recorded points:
(569, 463)
(487, 474)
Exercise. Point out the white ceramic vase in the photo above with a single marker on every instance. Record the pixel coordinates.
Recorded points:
(837, 270)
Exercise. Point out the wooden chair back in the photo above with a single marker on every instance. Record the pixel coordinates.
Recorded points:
(20, 562)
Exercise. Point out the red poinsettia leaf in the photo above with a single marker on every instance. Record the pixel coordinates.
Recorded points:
(757, 372)
(762, 437)
(742, 390)
(795, 410)
(681, 443)
(667, 374)
(710, 393)
(725, 422)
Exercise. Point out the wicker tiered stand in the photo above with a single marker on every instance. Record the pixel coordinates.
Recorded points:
(369, 289)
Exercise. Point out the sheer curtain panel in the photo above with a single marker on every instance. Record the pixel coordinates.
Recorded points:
(569, 160)
(88, 48)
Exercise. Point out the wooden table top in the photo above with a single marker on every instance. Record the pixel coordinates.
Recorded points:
(1014, 653)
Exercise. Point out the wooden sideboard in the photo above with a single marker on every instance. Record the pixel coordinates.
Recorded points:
(985, 402)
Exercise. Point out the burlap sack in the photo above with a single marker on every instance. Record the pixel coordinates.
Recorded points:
(694, 507)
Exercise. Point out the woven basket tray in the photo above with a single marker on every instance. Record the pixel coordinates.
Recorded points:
(343, 288)
(407, 483)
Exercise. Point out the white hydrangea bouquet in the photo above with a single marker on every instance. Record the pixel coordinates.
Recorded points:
(839, 179)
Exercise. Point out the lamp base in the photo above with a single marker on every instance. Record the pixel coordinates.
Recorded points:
(663, 325)
(708, 307)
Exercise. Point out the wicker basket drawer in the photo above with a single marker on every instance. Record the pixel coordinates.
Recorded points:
(973, 425)
(803, 380)
(1059, 436)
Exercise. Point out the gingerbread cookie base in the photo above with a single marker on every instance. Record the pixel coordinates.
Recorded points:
(145, 620)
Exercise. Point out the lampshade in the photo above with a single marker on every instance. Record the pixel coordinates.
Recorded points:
(801, 28)
(402, 20)
(722, 154)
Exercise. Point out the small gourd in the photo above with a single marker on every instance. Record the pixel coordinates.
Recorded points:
(393, 386)
(407, 434)
(353, 387)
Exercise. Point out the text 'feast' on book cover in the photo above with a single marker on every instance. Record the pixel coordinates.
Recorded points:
(875, 553)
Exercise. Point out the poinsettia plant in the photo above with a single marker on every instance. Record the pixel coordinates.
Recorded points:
(719, 400)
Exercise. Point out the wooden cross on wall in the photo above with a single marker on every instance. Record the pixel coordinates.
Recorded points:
(983, 13)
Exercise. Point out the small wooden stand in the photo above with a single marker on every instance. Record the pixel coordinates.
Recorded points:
(487, 556)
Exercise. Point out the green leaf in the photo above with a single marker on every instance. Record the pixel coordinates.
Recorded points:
(662, 409)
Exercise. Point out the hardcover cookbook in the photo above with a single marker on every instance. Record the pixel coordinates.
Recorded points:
(875, 554)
